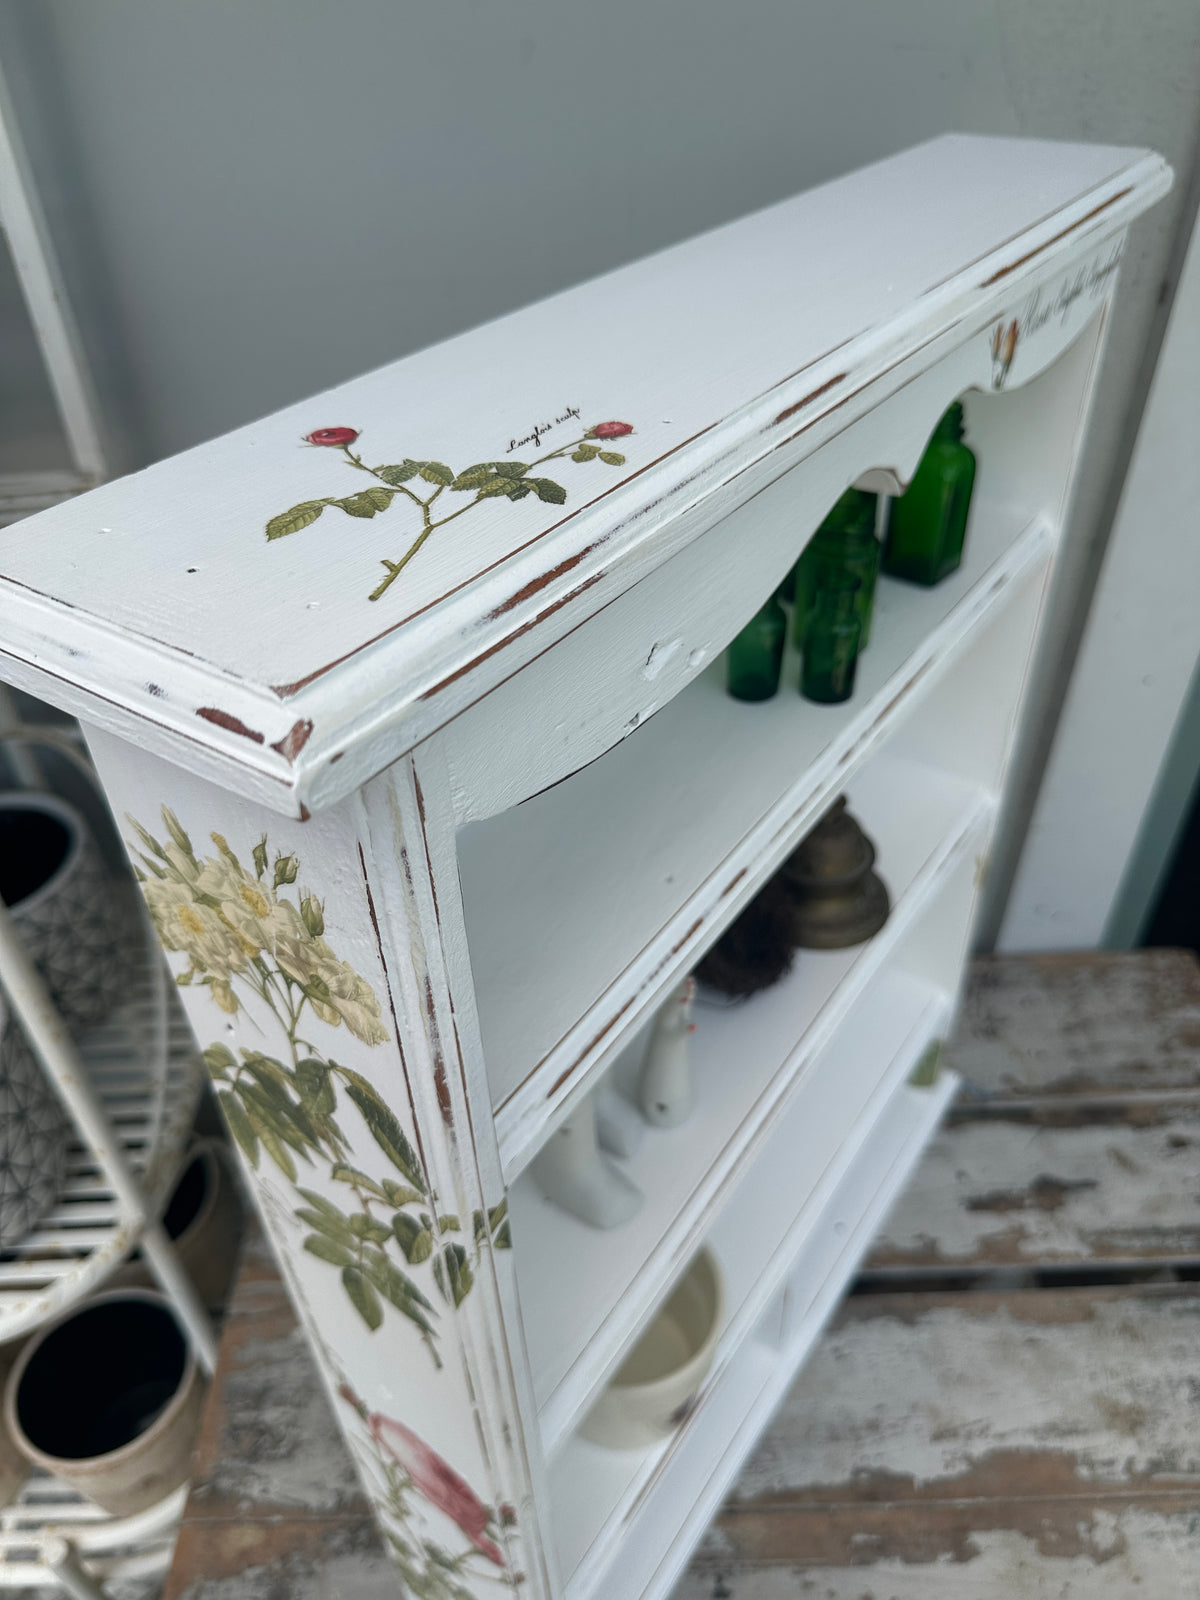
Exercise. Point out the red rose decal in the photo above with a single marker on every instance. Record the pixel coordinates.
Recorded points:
(437, 1481)
(610, 430)
(334, 436)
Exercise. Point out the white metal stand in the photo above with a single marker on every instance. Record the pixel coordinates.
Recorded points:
(130, 1088)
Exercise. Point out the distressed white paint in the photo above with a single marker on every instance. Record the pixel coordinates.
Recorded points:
(158, 597)
(1130, 1546)
(1001, 1192)
(954, 1383)
(571, 917)
(1133, 671)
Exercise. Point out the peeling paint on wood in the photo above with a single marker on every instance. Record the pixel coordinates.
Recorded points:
(931, 1432)
(1104, 1023)
(294, 740)
(1023, 1191)
(231, 724)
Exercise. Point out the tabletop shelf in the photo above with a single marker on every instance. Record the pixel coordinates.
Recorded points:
(452, 805)
(634, 865)
(584, 1292)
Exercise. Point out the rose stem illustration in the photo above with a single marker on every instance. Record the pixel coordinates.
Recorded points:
(489, 479)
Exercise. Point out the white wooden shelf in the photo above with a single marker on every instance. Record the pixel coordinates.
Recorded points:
(695, 809)
(815, 1250)
(584, 1292)
(453, 806)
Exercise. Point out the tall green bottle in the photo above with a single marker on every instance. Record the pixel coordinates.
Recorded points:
(843, 549)
(928, 523)
(756, 654)
(831, 645)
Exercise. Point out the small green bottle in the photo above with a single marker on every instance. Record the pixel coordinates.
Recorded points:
(928, 522)
(843, 547)
(756, 654)
(831, 645)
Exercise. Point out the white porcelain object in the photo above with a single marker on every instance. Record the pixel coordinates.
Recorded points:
(573, 1172)
(665, 1091)
(657, 1384)
(619, 1125)
(75, 924)
(108, 1398)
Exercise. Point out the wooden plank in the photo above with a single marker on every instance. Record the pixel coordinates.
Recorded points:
(1101, 1023)
(1043, 1443)
(1049, 1187)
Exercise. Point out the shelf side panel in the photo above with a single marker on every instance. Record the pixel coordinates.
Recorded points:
(298, 948)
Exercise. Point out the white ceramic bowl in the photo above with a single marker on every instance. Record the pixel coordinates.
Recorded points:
(656, 1385)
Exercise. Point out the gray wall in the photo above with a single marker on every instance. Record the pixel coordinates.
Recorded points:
(257, 198)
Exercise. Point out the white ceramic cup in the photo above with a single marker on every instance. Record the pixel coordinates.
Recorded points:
(656, 1386)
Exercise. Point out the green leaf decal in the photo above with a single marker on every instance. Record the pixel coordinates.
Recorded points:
(510, 469)
(454, 1278)
(437, 472)
(413, 1239)
(384, 1129)
(613, 457)
(366, 502)
(287, 868)
(333, 1227)
(316, 1089)
(473, 477)
(219, 1060)
(399, 474)
(271, 1108)
(326, 1250)
(365, 1227)
(494, 487)
(177, 833)
(360, 1180)
(275, 1148)
(549, 491)
(321, 1204)
(398, 1289)
(586, 452)
(260, 856)
(362, 1297)
(298, 517)
(240, 1126)
(398, 1194)
(495, 1226)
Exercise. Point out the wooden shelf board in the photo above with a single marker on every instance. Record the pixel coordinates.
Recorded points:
(613, 1511)
(582, 904)
(585, 1292)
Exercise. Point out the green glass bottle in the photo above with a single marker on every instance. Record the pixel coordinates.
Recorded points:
(843, 548)
(756, 654)
(831, 645)
(928, 522)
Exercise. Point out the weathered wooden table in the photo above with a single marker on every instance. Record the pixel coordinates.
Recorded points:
(1011, 1409)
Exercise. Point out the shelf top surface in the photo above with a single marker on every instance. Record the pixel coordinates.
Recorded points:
(228, 606)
